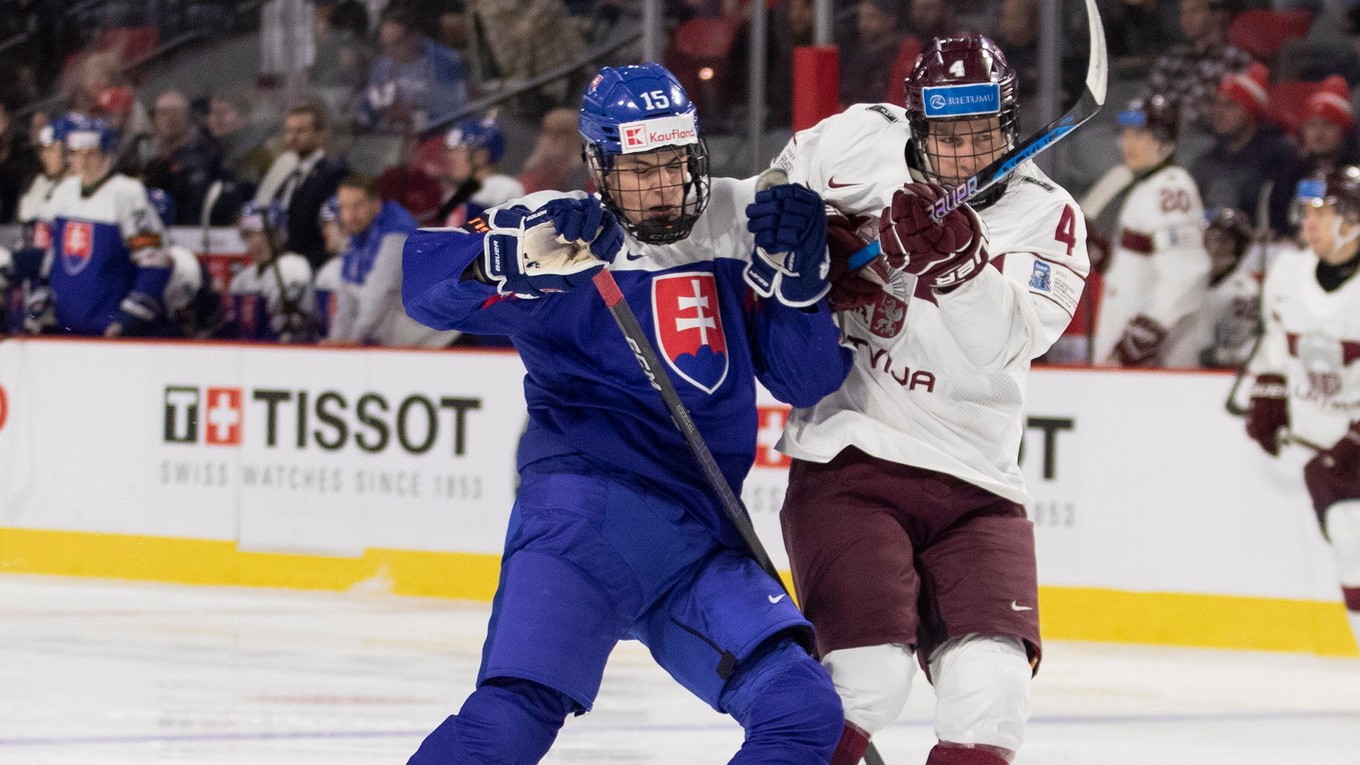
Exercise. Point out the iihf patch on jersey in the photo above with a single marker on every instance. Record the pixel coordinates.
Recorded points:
(962, 100)
(689, 329)
(1041, 278)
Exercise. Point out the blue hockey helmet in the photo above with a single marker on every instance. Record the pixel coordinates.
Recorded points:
(478, 133)
(83, 133)
(266, 216)
(640, 110)
(163, 204)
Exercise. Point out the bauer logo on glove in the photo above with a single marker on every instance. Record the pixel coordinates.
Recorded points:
(942, 255)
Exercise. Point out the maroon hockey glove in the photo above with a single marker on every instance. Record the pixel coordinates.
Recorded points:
(1344, 456)
(1267, 413)
(845, 238)
(942, 255)
(1141, 343)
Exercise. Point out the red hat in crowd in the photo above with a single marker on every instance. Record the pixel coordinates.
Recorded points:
(1248, 88)
(117, 101)
(1333, 102)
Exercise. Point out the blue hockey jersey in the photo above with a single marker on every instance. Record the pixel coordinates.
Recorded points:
(586, 393)
(105, 244)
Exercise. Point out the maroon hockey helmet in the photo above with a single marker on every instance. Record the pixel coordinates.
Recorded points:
(1339, 187)
(1227, 234)
(963, 92)
(1156, 114)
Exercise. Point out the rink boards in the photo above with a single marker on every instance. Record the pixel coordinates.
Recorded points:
(1157, 520)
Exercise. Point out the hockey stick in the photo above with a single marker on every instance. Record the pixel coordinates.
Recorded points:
(1092, 98)
(661, 381)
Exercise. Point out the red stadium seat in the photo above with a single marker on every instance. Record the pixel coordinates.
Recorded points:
(702, 56)
(411, 188)
(129, 43)
(901, 69)
(1261, 32)
(431, 156)
(1289, 103)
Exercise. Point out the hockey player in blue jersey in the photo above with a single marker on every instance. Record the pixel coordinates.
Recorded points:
(108, 266)
(614, 534)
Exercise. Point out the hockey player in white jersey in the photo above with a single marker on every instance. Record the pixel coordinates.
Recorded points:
(108, 268)
(1226, 327)
(1158, 272)
(904, 517)
(1307, 372)
(271, 298)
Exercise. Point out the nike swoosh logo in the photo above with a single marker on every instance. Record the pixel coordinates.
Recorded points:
(832, 184)
(1017, 607)
(775, 598)
(631, 256)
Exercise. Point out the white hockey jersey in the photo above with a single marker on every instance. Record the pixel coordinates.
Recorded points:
(35, 198)
(1158, 267)
(1313, 339)
(1225, 328)
(274, 302)
(939, 382)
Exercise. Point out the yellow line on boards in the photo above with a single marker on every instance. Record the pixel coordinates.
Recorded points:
(1066, 613)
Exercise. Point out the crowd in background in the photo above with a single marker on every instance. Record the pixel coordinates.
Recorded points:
(349, 125)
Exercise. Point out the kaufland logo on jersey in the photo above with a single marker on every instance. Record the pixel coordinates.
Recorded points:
(646, 135)
(962, 100)
(689, 330)
(328, 420)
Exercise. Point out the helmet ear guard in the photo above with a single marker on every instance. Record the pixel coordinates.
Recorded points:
(637, 110)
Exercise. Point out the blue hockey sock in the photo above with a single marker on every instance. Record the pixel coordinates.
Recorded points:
(788, 706)
(504, 721)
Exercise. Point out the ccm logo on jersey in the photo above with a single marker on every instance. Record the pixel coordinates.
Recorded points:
(663, 131)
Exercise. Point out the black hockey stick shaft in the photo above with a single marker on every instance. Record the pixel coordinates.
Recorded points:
(1092, 98)
(661, 381)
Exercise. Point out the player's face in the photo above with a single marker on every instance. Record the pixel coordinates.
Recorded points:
(1321, 137)
(357, 209)
(459, 163)
(89, 164)
(1223, 251)
(257, 246)
(1140, 148)
(650, 186)
(958, 149)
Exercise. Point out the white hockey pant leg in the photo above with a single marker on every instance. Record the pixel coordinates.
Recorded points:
(982, 685)
(873, 683)
(1343, 531)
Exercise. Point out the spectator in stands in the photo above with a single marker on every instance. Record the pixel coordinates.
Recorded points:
(472, 183)
(242, 140)
(556, 162)
(930, 18)
(302, 178)
(529, 37)
(342, 55)
(792, 28)
(18, 164)
(1327, 140)
(1018, 35)
(368, 306)
(184, 160)
(271, 299)
(415, 82)
(866, 64)
(1191, 72)
(1247, 155)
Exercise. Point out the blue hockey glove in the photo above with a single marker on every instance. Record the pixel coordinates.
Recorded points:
(789, 224)
(585, 221)
(40, 311)
(136, 312)
(524, 256)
